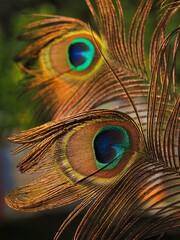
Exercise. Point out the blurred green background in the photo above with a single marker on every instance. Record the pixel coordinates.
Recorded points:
(14, 114)
(14, 15)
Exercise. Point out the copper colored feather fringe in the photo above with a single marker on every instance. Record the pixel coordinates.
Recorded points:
(128, 189)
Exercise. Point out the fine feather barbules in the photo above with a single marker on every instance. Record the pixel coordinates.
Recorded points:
(122, 187)
(73, 130)
(70, 153)
(67, 79)
(124, 164)
(65, 53)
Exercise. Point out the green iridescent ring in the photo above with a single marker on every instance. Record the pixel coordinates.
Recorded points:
(81, 53)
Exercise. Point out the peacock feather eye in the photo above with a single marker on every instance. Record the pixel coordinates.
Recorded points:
(81, 53)
(73, 56)
(120, 164)
(110, 144)
(102, 147)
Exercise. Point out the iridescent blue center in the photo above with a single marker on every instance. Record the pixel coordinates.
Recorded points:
(80, 54)
(110, 144)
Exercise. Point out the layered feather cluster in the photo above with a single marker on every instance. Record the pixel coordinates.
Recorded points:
(114, 140)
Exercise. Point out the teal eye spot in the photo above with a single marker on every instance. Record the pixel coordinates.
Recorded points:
(110, 144)
(81, 53)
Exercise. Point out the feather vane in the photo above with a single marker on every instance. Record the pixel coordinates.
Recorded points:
(114, 142)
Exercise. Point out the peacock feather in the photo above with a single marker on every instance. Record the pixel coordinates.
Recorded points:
(113, 145)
